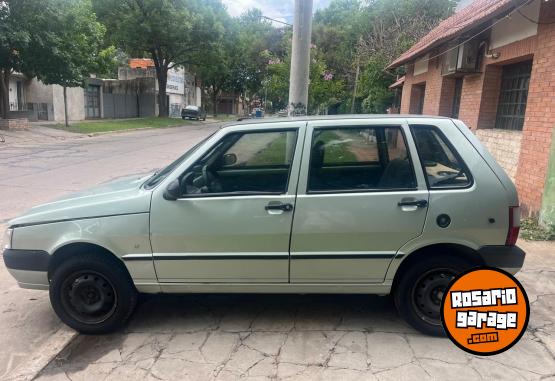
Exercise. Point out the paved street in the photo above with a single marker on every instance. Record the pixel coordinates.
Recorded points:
(255, 337)
(43, 164)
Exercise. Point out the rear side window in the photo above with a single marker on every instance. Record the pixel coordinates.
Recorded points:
(443, 166)
(358, 159)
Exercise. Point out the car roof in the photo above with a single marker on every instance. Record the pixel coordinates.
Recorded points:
(278, 119)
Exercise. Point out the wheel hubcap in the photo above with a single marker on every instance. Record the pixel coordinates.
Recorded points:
(428, 294)
(89, 297)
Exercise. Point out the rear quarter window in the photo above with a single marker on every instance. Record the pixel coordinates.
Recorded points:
(441, 163)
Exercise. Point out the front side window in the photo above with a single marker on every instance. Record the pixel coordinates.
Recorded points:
(243, 163)
(358, 159)
(442, 165)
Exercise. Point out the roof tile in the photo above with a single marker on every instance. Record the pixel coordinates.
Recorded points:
(475, 13)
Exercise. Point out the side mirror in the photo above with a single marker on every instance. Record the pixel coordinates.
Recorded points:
(173, 191)
(229, 159)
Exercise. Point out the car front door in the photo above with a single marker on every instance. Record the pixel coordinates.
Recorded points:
(232, 222)
(361, 197)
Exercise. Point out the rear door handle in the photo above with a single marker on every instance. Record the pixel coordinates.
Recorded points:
(417, 203)
(279, 206)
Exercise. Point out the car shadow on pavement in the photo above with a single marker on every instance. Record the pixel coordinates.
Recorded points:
(265, 312)
(188, 334)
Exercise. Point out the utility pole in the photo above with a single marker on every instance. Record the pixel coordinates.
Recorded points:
(300, 58)
(356, 85)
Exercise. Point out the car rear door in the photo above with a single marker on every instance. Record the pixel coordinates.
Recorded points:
(361, 197)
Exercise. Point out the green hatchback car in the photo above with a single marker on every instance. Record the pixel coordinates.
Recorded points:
(353, 204)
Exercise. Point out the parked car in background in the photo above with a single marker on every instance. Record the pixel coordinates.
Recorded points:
(193, 112)
(352, 204)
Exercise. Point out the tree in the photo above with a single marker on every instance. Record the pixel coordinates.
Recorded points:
(217, 72)
(73, 51)
(57, 41)
(368, 35)
(23, 27)
(172, 32)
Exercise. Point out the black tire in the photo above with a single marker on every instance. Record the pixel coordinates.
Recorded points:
(92, 294)
(417, 294)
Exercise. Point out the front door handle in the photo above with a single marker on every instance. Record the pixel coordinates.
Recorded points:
(417, 203)
(279, 206)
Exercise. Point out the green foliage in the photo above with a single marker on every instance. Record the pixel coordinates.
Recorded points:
(531, 230)
(57, 41)
(372, 34)
(69, 53)
(171, 32)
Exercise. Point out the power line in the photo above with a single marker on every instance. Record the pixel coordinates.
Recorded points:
(517, 9)
(274, 20)
(538, 22)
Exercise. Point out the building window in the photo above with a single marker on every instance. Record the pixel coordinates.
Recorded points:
(457, 98)
(513, 96)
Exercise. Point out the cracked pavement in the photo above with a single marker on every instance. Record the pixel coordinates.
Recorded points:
(304, 337)
(251, 337)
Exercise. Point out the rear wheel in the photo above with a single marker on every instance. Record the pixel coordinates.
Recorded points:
(92, 294)
(421, 288)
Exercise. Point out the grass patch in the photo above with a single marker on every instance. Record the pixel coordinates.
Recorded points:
(275, 151)
(531, 230)
(88, 127)
(335, 153)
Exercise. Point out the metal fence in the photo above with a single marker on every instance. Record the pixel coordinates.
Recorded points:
(128, 105)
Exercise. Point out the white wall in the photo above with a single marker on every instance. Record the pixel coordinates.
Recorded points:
(38, 92)
(75, 103)
(12, 90)
(516, 27)
(198, 96)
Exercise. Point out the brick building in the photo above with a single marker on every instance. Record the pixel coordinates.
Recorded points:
(492, 65)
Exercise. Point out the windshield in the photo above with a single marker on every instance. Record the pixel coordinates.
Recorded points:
(161, 175)
(194, 108)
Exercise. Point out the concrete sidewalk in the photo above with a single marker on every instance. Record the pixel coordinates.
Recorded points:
(305, 337)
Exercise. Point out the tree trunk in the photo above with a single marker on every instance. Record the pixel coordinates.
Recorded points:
(163, 109)
(4, 93)
(65, 106)
(162, 78)
(215, 102)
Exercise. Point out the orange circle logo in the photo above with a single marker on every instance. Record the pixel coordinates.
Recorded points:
(485, 311)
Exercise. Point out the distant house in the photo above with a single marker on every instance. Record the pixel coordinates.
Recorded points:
(182, 87)
(492, 65)
(133, 94)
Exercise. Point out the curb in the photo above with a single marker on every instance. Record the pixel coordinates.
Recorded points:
(37, 361)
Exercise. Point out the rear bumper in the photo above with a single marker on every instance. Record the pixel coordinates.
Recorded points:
(190, 115)
(508, 258)
(28, 267)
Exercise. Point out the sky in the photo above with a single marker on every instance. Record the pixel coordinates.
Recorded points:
(281, 10)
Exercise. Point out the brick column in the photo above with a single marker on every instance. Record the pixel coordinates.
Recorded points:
(540, 115)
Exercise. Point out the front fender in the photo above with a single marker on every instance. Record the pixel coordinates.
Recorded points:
(121, 235)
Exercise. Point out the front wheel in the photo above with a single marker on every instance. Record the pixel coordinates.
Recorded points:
(92, 294)
(421, 288)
